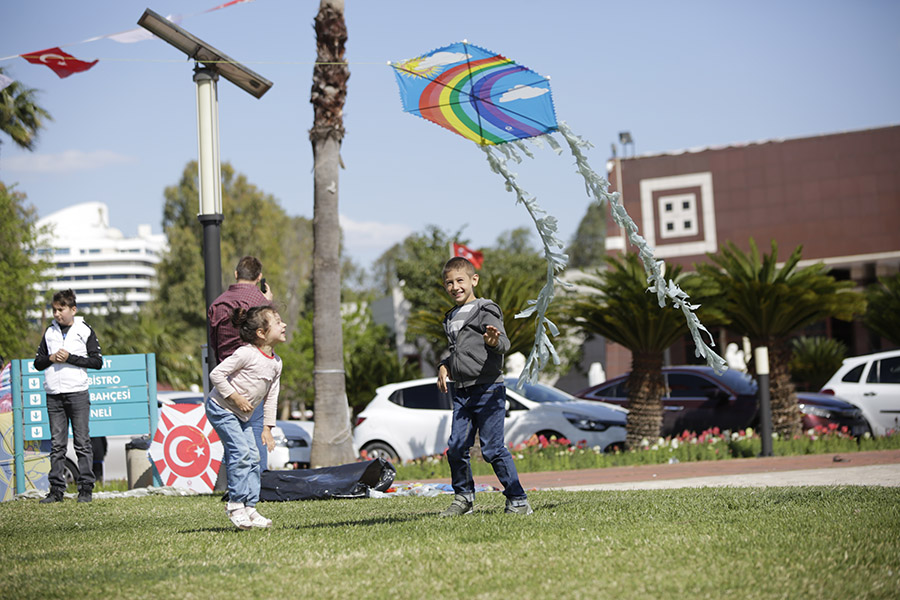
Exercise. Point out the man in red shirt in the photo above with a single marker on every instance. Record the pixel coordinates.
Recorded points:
(224, 338)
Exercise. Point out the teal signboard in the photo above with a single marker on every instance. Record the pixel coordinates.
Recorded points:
(123, 400)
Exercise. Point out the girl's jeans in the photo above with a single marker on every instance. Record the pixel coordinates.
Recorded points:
(481, 407)
(241, 455)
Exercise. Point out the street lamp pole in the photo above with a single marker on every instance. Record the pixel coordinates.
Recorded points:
(761, 357)
(210, 175)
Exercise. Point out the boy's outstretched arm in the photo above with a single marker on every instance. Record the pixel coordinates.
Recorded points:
(442, 378)
(491, 336)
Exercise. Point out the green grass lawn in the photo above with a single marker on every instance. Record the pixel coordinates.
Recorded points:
(810, 542)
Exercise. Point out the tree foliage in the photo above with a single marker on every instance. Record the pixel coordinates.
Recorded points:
(768, 303)
(254, 223)
(20, 273)
(415, 264)
(814, 360)
(588, 247)
(614, 303)
(21, 118)
(883, 310)
(141, 333)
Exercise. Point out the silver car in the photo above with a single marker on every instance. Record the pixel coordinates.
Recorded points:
(412, 419)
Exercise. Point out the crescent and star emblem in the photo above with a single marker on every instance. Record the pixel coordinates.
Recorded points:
(55, 57)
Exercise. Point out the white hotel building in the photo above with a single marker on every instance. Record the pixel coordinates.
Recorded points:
(97, 262)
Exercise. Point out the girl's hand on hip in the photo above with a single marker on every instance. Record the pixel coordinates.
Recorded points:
(242, 403)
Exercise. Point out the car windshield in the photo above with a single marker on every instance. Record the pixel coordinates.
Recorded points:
(740, 382)
(538, 392)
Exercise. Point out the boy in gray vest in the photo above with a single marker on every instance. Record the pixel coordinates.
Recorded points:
(69, 347)
(474, 328)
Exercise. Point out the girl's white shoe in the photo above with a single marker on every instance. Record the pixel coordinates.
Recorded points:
(238, 515)
(256, 519)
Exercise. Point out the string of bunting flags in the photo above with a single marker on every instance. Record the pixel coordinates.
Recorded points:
(64, 64)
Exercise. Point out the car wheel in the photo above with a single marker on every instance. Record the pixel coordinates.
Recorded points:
(550, 434)
(381, 450)
(71, 472)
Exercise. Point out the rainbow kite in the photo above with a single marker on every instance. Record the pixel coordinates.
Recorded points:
(489, 99)
(482, 96)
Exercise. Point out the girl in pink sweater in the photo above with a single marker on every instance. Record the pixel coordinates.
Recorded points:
(241, 382)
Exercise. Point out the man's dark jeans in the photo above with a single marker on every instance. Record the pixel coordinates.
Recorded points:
(482, 408)
(61, 409)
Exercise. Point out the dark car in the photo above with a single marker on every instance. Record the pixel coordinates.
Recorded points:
(698, 399)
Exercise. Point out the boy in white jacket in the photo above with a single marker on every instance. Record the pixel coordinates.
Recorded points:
(69, 347)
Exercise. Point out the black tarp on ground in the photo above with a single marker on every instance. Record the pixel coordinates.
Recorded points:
(352, 480)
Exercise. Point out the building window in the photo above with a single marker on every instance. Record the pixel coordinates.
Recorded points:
(678, 215)
(62, 250)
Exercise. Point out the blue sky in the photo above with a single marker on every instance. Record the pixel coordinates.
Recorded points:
(675, 74)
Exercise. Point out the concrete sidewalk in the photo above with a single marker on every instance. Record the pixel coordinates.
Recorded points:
(858, 468)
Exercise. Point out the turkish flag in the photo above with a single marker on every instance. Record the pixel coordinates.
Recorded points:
(62, 64)
(473, 256)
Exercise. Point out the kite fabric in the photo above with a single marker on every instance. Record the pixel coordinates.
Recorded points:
(499, 104)
(480, 95)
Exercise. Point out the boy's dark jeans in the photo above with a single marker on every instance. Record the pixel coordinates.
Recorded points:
(481, 407)
(62, 408)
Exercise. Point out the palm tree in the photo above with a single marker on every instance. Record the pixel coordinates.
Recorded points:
(332, 444)
(617, 306)
(767, 304)
(20, 116)
(883, 311)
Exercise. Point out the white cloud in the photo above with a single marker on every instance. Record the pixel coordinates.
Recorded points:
(65, 162)
(367, 236)
(523, 92)
(440, 59)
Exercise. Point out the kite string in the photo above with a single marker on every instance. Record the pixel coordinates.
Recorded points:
(543, 350)
(598, 186)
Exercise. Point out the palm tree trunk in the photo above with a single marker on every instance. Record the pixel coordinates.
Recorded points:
(332, 443)
(786, 417)
(645, 390)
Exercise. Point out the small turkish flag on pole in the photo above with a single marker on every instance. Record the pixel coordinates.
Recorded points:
(62, 64)
(473, 256)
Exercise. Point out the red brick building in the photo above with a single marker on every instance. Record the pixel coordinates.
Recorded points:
(838, 195)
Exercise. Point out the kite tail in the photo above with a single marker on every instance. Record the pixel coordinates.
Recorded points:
(597, 186)
(542, 351)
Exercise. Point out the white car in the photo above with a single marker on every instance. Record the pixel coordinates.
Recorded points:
(412, 419)
(293, 442)
(871, 382)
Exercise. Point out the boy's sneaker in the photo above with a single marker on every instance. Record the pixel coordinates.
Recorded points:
(53, 496)
(85, 494)
(518, 507)
(257, 520)
(460, 506)
(238, 515)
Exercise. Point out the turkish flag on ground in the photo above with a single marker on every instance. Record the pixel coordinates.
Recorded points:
(62, 64)
(473, 256)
